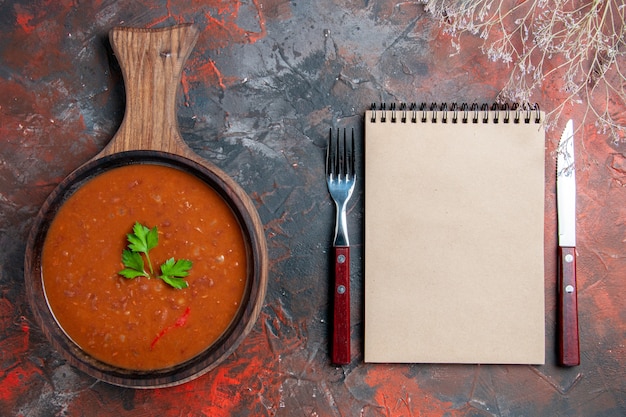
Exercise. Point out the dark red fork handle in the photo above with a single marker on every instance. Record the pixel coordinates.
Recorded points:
(341, 306)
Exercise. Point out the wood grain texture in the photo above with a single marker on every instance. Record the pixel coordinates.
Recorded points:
(152, 63)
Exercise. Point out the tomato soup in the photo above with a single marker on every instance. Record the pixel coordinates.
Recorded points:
(143, 323)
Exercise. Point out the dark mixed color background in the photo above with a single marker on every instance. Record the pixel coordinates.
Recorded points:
(265, 82)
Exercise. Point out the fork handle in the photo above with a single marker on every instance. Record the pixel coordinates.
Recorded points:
(341, 306)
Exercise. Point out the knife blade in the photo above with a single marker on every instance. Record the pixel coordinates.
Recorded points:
(569, 354)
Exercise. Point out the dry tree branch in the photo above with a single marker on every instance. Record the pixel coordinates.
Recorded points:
(582, 43)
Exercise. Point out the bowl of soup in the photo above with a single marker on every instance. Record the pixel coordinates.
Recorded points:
(147, 266)
(141, 331)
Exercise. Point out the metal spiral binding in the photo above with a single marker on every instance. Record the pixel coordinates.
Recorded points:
(465, 113)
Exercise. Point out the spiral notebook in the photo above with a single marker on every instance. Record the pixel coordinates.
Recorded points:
(454, 232)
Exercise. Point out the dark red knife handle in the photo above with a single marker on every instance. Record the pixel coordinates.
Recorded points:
(569, 354)
(341, 306)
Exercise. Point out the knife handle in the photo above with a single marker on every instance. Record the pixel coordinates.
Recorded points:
(341, 306)
(569, 354)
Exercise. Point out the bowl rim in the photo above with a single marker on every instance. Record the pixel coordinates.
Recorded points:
(218, 351)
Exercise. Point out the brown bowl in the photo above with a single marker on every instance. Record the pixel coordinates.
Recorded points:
(151, 62)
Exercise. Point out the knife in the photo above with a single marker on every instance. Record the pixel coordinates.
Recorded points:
(569, 354)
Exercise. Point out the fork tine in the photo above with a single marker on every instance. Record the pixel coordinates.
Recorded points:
(341, 151)
(349, 156)
(331, 155)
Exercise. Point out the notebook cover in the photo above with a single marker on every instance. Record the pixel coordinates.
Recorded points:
(454, 232)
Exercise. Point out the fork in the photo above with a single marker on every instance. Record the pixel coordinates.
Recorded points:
(340, 178)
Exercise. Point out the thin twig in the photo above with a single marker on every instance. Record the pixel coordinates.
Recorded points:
(584, 43)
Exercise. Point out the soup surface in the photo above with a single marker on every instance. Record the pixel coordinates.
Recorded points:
(143, 323)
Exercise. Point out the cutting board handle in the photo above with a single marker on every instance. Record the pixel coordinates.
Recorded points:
(152, 62)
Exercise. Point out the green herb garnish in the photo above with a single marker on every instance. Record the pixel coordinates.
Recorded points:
(173, 272)
(134, 265)
(141, 241)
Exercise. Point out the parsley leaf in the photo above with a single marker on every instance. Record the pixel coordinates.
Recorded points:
(134, 265)
(141, 241)
(173, 272)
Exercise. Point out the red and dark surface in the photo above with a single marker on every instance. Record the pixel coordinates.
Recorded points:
(263, 85)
